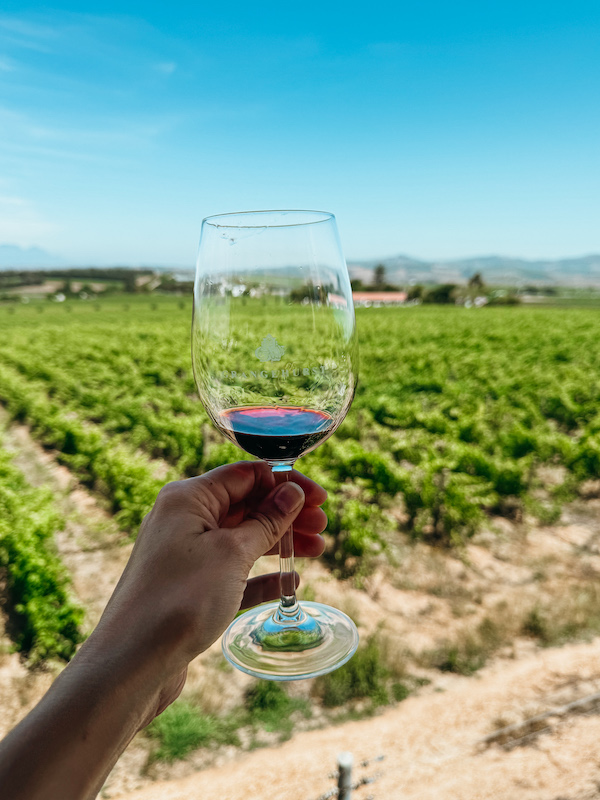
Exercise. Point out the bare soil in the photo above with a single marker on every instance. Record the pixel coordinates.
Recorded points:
(431, 744)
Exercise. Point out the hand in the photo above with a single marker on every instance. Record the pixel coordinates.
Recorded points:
(185, 580)
(187, 575)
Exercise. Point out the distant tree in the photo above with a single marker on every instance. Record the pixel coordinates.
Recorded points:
(379, 281)
(445, 293)
(415, 292)
(302, 293)
(476, 282)
(316, 294)
(129, 283)
(357, 285)
(168, 284)
(508, 299)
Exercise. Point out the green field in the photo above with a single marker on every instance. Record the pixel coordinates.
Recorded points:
(456, 411)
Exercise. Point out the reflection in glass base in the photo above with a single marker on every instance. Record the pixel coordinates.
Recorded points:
(262, 644)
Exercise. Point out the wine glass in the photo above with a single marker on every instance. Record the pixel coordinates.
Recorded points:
(275, 362)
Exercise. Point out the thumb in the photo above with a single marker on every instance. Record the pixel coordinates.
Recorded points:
(267, 523)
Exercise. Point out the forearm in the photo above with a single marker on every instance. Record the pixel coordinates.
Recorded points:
(68, 744)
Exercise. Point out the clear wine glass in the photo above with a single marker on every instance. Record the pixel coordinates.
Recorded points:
(275, 361)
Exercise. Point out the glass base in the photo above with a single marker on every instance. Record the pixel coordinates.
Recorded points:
(268, 644)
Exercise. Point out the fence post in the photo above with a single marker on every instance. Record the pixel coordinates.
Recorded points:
(345, 762)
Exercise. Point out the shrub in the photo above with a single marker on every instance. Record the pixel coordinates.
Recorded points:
(441, 294)
(182, 728)
(355, 529)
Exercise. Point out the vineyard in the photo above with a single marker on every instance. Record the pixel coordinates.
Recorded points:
(459, 415)
(455, 415)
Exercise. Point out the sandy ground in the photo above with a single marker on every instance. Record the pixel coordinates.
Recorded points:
(431, 744)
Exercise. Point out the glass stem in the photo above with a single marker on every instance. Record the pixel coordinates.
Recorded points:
(288, 606)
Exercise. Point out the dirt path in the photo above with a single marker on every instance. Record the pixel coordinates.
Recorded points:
(430, 744)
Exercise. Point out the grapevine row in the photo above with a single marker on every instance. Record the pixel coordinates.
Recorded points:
(456, 412)
(45, 621)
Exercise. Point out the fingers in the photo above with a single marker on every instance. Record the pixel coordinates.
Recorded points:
(315, 494)
(268, 522)
(233, 483)
(262, 589)
(307, 525)
(310, 520)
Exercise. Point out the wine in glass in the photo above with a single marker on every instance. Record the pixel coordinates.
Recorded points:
(275, 362)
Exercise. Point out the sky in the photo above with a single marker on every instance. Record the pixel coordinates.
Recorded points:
(437, 130)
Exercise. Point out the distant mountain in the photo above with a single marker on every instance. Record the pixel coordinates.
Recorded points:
(14, 257)
(400, 269)
(576, 272)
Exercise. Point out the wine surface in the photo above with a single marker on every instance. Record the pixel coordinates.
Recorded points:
(275, 433)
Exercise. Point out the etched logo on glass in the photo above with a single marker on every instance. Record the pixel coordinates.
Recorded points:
(269, 350)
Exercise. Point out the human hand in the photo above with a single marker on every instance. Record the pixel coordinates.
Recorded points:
(187, 575)
(185, 580)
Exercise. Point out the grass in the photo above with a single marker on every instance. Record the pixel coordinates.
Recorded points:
(182, 728)
(571, 613)
(400, 691)
(269, 706)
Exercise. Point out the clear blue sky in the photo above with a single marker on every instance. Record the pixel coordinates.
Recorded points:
(434, 129)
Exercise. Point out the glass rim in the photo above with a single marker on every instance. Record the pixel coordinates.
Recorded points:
(312, 218)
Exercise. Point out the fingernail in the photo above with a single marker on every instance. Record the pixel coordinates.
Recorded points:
(288, 497)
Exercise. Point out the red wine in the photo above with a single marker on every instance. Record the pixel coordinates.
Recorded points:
(275, 433)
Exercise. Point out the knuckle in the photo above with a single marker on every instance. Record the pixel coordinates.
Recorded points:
(171, 494)
(174, 487)
(209, 482)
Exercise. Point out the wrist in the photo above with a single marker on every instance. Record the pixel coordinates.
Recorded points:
(125, 671)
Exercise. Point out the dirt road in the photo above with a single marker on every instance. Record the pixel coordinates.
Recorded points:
(431, 744)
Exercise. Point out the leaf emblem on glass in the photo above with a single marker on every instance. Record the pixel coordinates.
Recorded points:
(269, 350)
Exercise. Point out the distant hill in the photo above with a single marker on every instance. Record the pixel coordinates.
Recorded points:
(400, 269)
(576, 272)
(14, 257)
